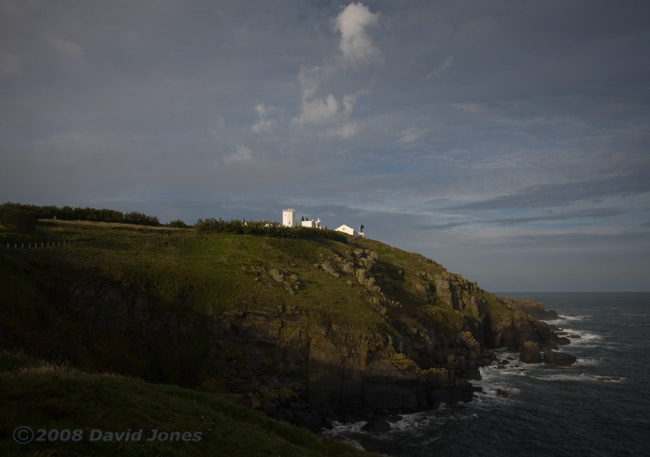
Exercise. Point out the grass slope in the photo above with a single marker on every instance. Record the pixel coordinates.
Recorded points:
(204, 274)
(44, 396)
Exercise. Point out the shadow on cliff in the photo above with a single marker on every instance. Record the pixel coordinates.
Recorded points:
(104, 326)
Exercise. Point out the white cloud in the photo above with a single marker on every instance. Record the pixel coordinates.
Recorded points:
(328, 111)
(264, 123)
(319, 111)
(350, 100)
(310, 78)
(243, 154)
(347, 130)
(217, 128)
(410, 135)
(445, 65)
(357, 47)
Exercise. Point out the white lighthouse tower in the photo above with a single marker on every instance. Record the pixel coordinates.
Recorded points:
(289, 217)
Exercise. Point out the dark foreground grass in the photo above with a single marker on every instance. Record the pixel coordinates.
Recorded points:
(52, 398)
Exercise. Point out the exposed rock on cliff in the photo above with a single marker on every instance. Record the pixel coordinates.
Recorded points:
(532, 308)
(530, 353)
(558, 359)
(301, 328)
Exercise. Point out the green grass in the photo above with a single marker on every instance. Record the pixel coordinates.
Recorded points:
(193, 276)
(204, 274)
(46, 396)
(211, 272)
(189, 274)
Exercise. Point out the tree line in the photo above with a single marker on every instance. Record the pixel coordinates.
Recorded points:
(21, 218)
(212, 225)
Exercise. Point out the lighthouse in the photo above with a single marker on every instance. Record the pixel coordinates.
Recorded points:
(289, 217)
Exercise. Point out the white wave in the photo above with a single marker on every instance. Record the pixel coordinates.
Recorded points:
(349, 427)
(413, 421)
(341, 431)
(582, 377)
(581, 337)
(565, 377)
(496, 383)
(588, 362)
(564, 318)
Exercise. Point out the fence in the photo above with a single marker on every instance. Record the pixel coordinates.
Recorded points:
(50, 244)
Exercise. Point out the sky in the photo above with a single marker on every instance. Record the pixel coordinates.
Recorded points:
(507, 140)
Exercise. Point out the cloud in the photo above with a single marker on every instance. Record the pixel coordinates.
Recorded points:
(323, 111)
(243, 154)
(445, 65)
(216, 130)
(356, 46)
(310, 77)
(530, 134)
(346, 131)
(595, 213)
(563, 194)
(410, 135)
(471, 108)
(357, 50)
(264, 124)
(68, 49)
(318, 111)
(439, 226)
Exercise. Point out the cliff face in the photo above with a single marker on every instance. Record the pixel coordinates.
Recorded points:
(334, 328)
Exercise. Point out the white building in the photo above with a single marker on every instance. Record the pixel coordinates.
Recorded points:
(312, 223)
(350, 231)
(289, 220)
(289, 217)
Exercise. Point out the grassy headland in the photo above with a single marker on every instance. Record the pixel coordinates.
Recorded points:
(337, 326)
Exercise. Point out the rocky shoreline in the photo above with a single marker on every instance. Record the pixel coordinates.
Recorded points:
(301, 366)
(405, 335)
(384, 389)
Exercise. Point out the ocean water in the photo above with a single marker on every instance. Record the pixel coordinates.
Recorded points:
(598, 407)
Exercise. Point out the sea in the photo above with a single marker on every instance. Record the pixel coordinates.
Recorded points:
(600, 406)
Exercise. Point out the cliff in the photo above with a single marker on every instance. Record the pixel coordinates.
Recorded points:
(301, 329)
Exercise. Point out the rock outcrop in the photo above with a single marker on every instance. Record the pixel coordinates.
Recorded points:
(338, 369)
(533, 309)
(558, 359)
(415, 337)
(530, 353)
